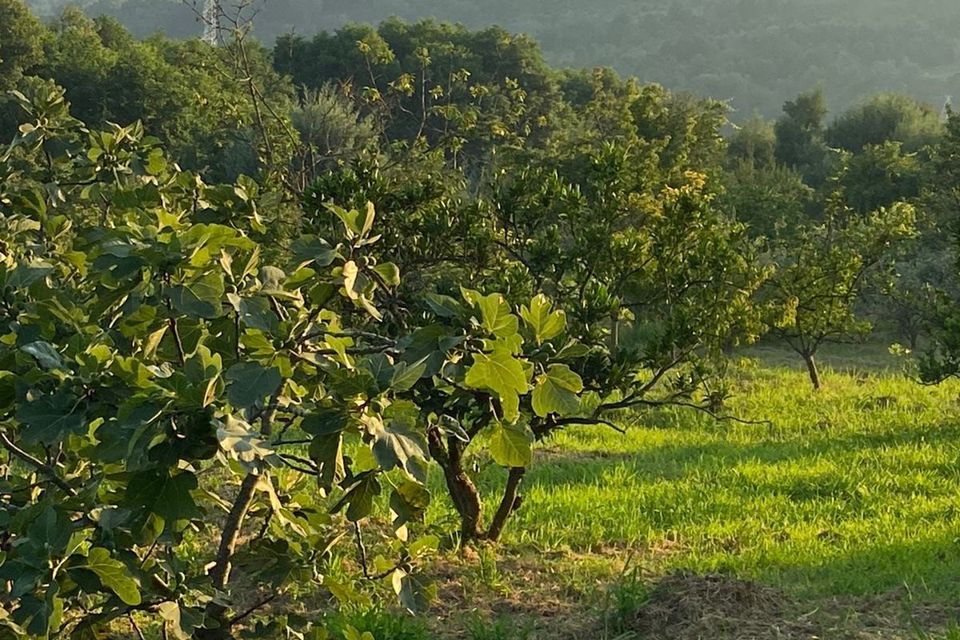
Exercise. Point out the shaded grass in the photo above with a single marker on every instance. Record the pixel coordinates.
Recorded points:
(873, 356)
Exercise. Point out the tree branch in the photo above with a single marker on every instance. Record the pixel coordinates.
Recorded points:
(220, 573)
(679, 403)
(362, 551)
(563, 422)
(233, 526)
(40, 466)
(250, 611)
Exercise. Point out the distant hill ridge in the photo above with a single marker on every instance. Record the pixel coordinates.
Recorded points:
(755, 53)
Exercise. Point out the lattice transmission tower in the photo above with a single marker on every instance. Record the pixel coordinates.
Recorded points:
(211, 22)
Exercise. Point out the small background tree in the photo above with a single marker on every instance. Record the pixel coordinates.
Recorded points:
(823, 270)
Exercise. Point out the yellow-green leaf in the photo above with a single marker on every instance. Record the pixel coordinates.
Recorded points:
(350, 273)
(510, 446)
(545, 323)
(556, 391)
(502, 374)
(495, 314)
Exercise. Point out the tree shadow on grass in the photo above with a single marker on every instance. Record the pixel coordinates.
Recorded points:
(695, 488)
(554, 467)
(926, 569)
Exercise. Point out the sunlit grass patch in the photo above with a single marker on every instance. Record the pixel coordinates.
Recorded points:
(850, 490)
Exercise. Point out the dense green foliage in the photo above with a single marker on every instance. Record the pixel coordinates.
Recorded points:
(175, 339)
(255, 298)
(183, 92)
(21, 41)
(150, 334)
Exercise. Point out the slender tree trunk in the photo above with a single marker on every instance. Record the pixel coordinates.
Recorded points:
(914, 338)
(466, 499)
(508, 504)
(230, 538)
(220, 573)
(811, 362)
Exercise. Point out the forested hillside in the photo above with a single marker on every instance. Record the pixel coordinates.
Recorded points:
(751, 52)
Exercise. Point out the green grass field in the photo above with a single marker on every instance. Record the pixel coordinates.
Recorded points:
(841, 514)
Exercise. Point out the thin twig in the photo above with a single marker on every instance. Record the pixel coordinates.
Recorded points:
(40, 466)
(248, 612)
(175, 331)
(133, 623)
(285, 443)
(149, 553)
(295, 462)
(686, 405)
(361, 549)
(587, 421)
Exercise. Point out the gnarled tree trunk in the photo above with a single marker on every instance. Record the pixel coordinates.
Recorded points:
(466, 498)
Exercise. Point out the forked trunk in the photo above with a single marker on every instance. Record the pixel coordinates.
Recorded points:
(463, 492)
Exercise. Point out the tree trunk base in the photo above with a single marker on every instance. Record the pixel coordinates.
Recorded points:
(812, 370)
